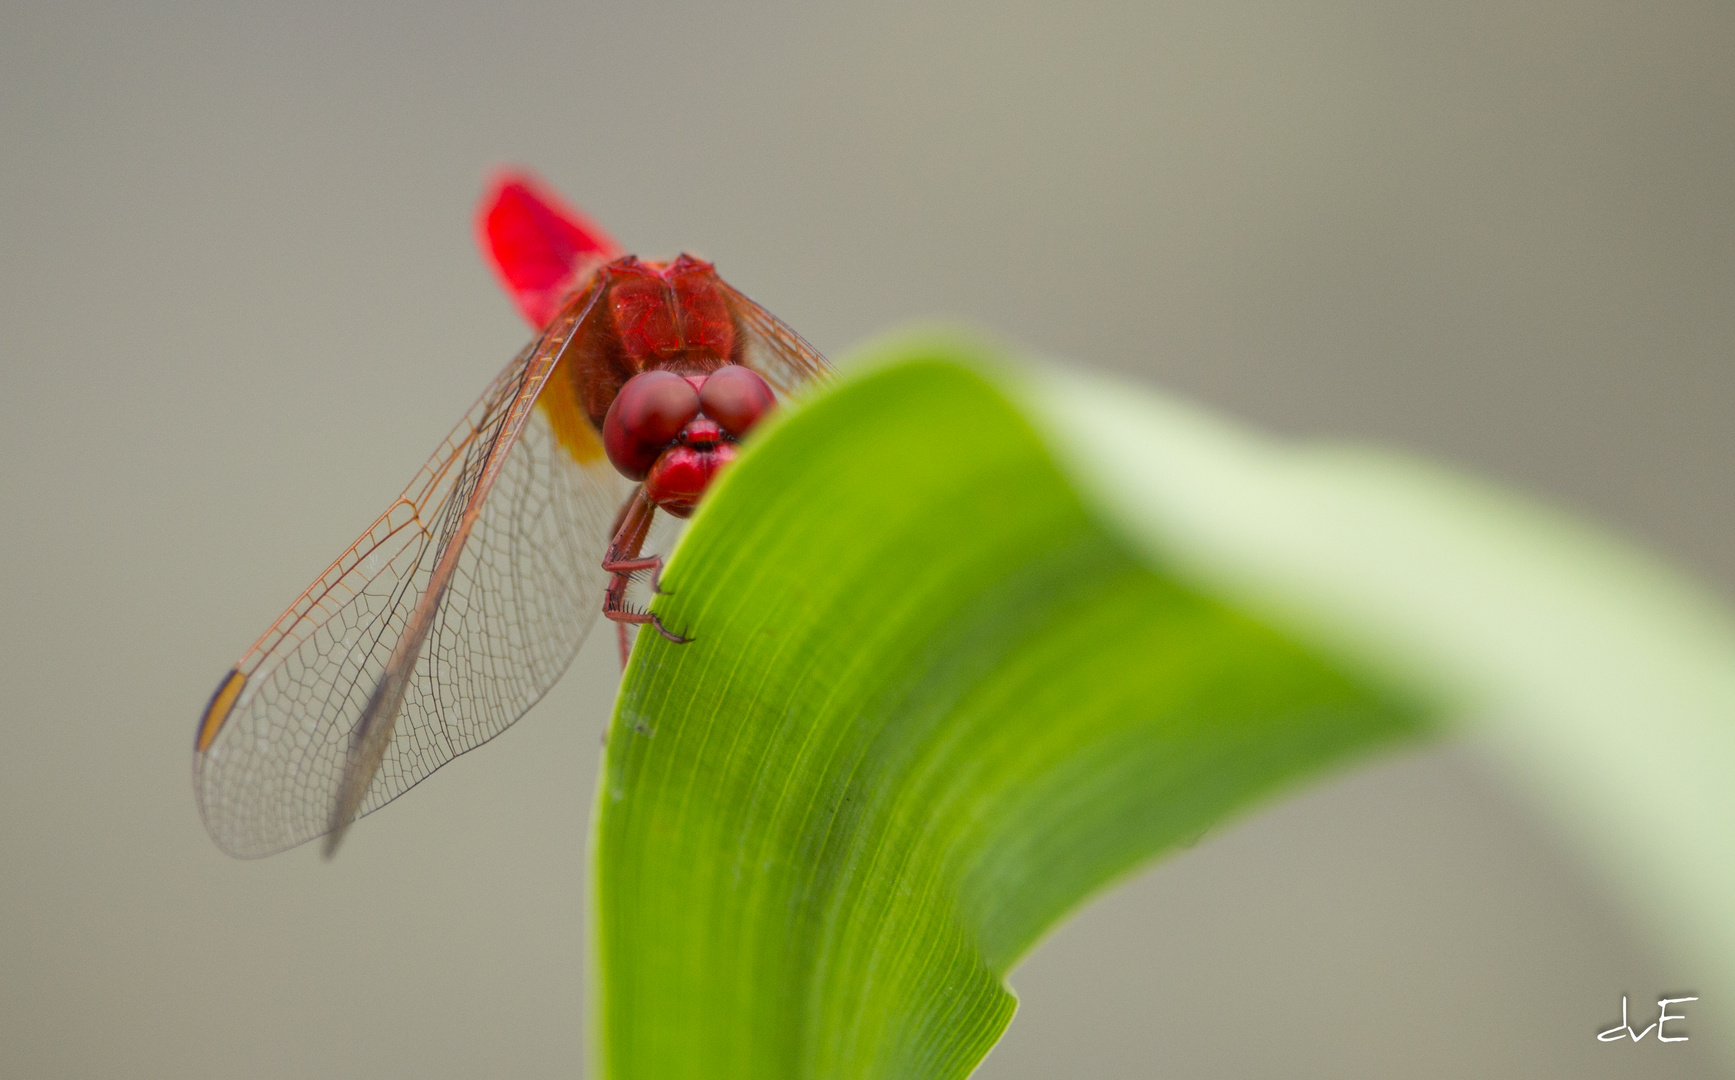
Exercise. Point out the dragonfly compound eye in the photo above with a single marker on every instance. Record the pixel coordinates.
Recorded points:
(735, 397)
(646, 416)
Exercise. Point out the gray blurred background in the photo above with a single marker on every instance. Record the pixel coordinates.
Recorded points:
(239, 303)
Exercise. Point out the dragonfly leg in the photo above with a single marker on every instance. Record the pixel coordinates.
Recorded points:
(628, 566)
(622, 560)
(642, 618)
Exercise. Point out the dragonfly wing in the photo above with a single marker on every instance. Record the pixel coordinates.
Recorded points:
(441, 626)
(771, 348)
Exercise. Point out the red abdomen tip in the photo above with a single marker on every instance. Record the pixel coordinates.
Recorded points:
(537, 244)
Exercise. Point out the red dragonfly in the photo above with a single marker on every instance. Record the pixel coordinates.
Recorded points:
(468, 598)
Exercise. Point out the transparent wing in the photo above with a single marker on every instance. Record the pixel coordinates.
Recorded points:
(774, 350)
(491, 557)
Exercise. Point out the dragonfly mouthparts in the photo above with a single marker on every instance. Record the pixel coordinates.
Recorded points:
(703, 433)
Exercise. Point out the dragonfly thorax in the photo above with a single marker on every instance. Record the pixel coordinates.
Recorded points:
(672, 316)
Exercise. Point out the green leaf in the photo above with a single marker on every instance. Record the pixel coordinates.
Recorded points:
(972, 642)
(1603, 680)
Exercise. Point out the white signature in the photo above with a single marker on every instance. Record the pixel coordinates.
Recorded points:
(1663, 1017)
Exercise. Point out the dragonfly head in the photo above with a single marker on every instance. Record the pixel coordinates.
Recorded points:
(676, 432)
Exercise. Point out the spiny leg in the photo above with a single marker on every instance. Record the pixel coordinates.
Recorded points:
(622, 560)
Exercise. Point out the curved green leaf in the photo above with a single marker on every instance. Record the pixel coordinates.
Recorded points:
(971, 646)
(1603, 679)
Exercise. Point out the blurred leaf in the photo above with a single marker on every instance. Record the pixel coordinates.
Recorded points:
(970, 646)
(1604, 681)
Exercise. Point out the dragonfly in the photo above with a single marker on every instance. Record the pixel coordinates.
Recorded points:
(468, 598)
